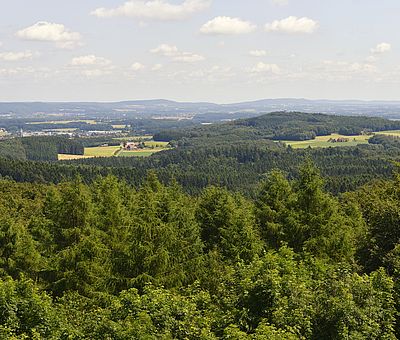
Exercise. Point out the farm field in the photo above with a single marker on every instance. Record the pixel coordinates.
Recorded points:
(101, 151)
(141, 153)
(110, 151)
(64, 157)
(395, 133)
(323, 141)
(162, 145)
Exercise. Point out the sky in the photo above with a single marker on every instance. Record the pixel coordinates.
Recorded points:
(220, 51)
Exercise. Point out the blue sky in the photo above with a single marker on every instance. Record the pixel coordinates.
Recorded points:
(199, 50)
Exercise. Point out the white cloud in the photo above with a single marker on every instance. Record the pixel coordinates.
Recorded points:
(371, 59)
(188, 57)
(175, 54)
(95, 72)
(17, 56)
(166, 50)
(292, 24)
(280, 2)
(154, 9)
(266, 68)
(92, 66)
(90, 60)
(16, 71)
(137, 67)
(258, 53)
(333, 70)
(227, 25)
(52, 32)
(157, 67)
(381, 48)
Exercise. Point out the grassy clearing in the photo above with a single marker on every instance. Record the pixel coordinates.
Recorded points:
(101, 151)
(395, 133)
(322, 141)
(62, 157)
(156, 144)
(116, 151)
(140, 153)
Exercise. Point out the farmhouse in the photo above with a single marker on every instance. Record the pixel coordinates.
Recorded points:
(129, 146)
(338, 140)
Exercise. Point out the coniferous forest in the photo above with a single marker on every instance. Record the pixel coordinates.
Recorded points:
(109, 261)
(215, 239)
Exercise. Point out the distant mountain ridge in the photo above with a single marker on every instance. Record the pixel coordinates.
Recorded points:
(163, 107)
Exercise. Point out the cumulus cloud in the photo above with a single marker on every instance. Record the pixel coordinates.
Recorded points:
(52, 32)
(175, 54)
(381, 48)
(17, 56)
(157, 67)
(154, 9)
(10, 72)
(258, 53)
(92, 66)
(266, 68)
(293, 24)
(166, 50)
(137, 67)
(227, 25)
(90, 60)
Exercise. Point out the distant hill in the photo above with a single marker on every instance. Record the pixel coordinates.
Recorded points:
(202, 111)
(294, 126)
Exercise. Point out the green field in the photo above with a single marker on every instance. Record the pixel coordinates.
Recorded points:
(322, 141)
(63, 157)
(395, 133)
(161, 145)
(144, 153)
(110, 151)
(101, 151)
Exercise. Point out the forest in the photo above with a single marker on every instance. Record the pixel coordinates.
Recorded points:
(39, 148)
(109, 261)
(218, 238)
(278, 126)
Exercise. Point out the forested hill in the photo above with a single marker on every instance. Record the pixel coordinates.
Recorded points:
(234, 155)
(281, 126)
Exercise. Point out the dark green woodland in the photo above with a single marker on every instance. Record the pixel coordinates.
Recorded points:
(218, 238)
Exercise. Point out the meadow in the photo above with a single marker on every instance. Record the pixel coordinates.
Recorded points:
(110, 151)
(323, 141)
(395, 133)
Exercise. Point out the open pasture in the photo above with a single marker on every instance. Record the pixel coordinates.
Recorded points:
(395, 133)
(138, 153)
(323, 141)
